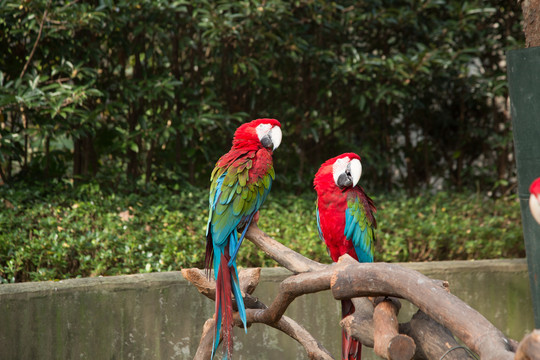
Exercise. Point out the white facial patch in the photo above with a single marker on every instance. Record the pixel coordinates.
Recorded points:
(263, 129)
(339, 167)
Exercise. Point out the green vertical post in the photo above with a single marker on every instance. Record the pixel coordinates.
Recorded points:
(524, 83)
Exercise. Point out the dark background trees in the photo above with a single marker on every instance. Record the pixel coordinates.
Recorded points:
(152, 92)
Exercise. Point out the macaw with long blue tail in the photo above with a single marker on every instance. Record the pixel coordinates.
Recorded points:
(346, 222)
(241, 182)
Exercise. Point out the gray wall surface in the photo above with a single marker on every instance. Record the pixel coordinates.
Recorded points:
(160, 315)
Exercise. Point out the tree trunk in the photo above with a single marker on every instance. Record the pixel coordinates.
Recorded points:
(84, 157)
(531, 22)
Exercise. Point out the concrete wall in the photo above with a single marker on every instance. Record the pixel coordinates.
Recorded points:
(160, 315)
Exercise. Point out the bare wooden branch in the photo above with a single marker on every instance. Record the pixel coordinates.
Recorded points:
(291, 288)
(286, 257)
(388, 343)
(432, 339)
(207, 286)
(204, 351)
(198, 278)
(529, 347)
(249, 279)
(385, 327)
(393, 280)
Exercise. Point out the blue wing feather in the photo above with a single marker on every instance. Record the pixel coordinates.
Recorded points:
(359, 230)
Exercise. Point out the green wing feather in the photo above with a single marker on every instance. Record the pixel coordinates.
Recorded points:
(359, 229)
(233, 197)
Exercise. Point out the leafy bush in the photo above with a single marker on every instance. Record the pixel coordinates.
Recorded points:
(62, 232)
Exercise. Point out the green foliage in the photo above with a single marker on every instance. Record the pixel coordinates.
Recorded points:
(63, 232)
(449, 227)
(115, 90)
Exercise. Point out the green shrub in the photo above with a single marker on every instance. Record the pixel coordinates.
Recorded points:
(65, 232)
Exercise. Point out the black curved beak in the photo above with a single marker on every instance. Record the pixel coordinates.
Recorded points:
(345, 179)
(266, 142)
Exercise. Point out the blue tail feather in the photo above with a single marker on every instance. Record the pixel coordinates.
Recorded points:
(238, 297)
(224, 291)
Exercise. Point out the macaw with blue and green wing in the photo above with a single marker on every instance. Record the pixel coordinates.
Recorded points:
(346, 222)
(241, 181)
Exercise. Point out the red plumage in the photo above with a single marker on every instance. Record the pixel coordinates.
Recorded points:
(332, 204)
(535, 187)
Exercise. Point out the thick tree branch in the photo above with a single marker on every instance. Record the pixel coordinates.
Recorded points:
(204, 351)
(291, 288)
(360, 323)
(207, 286)
(531, 22)
(286, 257)
(393, 280)
(432, 339)
(388, 342)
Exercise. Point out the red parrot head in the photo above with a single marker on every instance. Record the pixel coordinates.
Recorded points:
(343, 170)
(534, 199)
(258, 133)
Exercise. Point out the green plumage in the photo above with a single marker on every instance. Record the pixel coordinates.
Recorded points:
(237, 196)
(359, 229)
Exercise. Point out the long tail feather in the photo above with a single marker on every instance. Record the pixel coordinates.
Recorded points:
(351, 349)
(227, 284)
(238, 296)
(224, 308)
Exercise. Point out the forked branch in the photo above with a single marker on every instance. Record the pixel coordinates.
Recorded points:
(349, 279)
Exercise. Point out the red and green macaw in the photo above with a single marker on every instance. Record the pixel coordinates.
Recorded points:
(534, 199)
(346, 222)
(241, 182)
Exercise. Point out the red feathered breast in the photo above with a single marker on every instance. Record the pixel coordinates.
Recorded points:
(332, 203)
